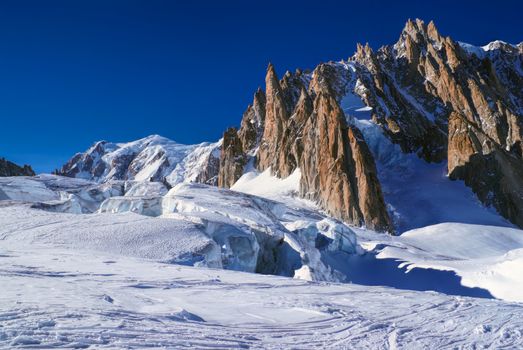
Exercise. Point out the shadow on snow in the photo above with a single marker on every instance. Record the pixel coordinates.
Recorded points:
(371, 271)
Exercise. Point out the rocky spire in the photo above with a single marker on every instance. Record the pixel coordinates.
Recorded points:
(432, 32)
(232, 159)
(276, 116)
(338, 170)
(253, 121)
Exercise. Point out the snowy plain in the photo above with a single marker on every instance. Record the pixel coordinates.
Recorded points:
(55, 298)
(120, 279)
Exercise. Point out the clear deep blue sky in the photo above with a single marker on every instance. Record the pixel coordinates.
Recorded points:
(73, 72)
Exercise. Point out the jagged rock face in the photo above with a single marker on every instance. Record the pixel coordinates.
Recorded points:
(153, 158)
(276, 116)
(291, 86)
(207, 173)
(413, 90)
(437, 76)
(495, 175)
(427, 88)
(8, 168)
(232, 159)
(338, 170)
(253, 121)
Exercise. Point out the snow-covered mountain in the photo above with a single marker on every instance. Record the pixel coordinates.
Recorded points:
(153, 243)
(153, 158)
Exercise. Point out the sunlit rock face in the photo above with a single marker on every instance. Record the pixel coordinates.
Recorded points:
(443, 100)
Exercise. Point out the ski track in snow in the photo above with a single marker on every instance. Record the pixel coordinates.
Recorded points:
(70, 299)
(96, 280)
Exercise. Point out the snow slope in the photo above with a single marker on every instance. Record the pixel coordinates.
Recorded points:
(55, 298)
(107, 279)
(487, 257)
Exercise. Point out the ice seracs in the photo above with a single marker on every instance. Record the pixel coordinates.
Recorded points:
(242, 232)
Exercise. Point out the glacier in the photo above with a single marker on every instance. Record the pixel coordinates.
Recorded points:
(130, 263)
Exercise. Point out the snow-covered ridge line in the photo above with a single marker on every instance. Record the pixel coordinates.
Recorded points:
(153, 158)
(483, 51)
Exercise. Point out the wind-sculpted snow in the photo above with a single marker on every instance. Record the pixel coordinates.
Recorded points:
(54, 298)
(488, 257)
(109, 280)
(175, 241)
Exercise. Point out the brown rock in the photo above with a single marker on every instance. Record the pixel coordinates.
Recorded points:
(252, 125)
(232, 159)
(335, 168)
(494, 174)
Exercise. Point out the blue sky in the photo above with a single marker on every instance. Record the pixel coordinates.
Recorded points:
(73, 72)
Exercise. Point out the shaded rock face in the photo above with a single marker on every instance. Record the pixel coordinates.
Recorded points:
(495, 174)
(430, 95)
(253, 120)
(232, 159)
(8, 168)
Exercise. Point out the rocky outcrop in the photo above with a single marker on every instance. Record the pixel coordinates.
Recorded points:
(443, 100)
(232, 159)
(495, 174)
(253, 122)
(338, 170)
(8, 168)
